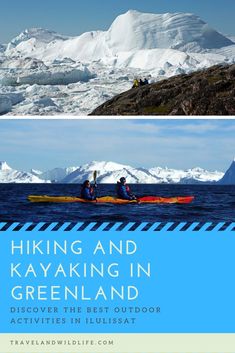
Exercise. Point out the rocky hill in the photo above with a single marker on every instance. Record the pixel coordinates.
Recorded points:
(206, 92)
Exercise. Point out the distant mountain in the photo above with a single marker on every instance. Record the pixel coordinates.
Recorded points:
(9, 175)
(57, 174)
(229, 176)
(110, 173)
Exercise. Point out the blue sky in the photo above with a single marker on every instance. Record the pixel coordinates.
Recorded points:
(73, 17)
(183, 144)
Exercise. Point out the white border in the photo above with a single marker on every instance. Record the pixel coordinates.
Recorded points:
(118, 117)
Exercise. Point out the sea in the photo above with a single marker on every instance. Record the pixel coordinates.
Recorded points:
(212, 203)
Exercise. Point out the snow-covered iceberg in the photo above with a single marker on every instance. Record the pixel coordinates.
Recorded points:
(131, 31)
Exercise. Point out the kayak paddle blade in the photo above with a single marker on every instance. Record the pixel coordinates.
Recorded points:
(95, 176)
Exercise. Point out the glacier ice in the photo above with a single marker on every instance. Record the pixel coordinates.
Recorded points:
(45, 76)
(89, 69)
(7, 100)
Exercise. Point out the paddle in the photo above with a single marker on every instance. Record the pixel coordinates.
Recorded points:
(95, 173)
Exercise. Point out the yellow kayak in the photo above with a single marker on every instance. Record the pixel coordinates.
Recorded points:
(111, 199)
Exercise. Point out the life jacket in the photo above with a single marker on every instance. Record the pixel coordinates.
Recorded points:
(87, 193)
(123, 191)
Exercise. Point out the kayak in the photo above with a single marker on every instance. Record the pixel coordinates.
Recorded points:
(114, 200)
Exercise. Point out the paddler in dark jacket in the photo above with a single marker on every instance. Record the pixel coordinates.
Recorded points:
(123, 190)
(87, 191)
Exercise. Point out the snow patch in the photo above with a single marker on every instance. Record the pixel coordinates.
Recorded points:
(36, 172)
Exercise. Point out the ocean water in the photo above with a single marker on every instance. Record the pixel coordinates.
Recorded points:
(213, 203)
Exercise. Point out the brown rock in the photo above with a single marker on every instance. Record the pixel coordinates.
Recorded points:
(207, 92)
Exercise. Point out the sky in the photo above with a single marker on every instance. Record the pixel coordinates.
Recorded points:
(179, 144)
(73, 17)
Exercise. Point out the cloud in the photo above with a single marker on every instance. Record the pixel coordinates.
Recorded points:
(177, 143)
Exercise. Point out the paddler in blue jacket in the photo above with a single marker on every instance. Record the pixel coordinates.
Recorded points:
(123, 190)
(87, 191)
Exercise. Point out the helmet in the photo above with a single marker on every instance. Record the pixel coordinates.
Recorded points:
(86, 183)
(122, 180)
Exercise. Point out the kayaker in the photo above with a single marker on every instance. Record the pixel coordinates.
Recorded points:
(87, 191)
(123, 190)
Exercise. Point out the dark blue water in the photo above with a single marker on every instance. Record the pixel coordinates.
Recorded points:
(212, 203)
